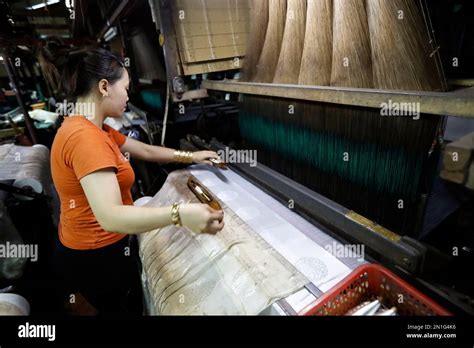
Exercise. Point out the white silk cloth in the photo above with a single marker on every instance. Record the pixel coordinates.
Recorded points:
(234, 272)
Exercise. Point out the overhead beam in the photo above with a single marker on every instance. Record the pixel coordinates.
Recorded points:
(459, 103)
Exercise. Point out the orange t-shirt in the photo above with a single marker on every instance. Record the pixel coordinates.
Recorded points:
(81, 148)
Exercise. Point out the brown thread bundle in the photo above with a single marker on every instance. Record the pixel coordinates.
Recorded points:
(351, 64)
(289, 62)
(402, 56)
(273, 39)
(316, 61)
(257, 32)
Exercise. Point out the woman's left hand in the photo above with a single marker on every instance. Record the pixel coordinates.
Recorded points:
(202, 157)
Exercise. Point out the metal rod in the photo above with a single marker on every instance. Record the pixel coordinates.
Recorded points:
(458, 103)
(462, 82)
(21, 103)
(110, 21)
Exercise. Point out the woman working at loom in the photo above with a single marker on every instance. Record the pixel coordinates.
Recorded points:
(93, 180)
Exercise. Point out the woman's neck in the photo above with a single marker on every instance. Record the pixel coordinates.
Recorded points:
(90, 108)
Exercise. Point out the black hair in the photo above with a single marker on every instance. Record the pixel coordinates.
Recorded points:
(73, 72)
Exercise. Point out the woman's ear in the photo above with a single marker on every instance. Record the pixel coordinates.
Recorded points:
(104, 87)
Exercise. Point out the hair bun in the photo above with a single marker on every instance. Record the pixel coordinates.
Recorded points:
(72, 72)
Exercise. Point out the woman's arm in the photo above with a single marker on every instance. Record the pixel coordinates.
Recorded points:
(160, 154)
(103, 194)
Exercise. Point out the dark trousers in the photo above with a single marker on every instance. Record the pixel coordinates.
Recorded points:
(107, 277)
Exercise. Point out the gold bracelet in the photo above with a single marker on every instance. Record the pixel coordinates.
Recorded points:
(183, 156)
(175, 215)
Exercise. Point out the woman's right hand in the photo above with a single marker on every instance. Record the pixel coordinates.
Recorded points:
(201, 218)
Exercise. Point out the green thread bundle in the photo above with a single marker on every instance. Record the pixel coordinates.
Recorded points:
(385, 169)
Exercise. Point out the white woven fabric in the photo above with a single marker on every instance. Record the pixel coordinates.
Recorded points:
(234, 272)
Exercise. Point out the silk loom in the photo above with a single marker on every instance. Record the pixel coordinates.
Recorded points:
(333, 168)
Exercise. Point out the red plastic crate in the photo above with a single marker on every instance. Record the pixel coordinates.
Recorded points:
(369, 281)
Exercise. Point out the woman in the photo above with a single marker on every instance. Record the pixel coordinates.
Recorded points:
(93, 179)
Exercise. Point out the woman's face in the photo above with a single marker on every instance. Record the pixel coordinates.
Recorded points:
(115, 103)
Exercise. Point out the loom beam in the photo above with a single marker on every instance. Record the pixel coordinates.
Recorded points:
(459, 103)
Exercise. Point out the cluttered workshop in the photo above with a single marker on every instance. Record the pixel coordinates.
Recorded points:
(344, 136)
